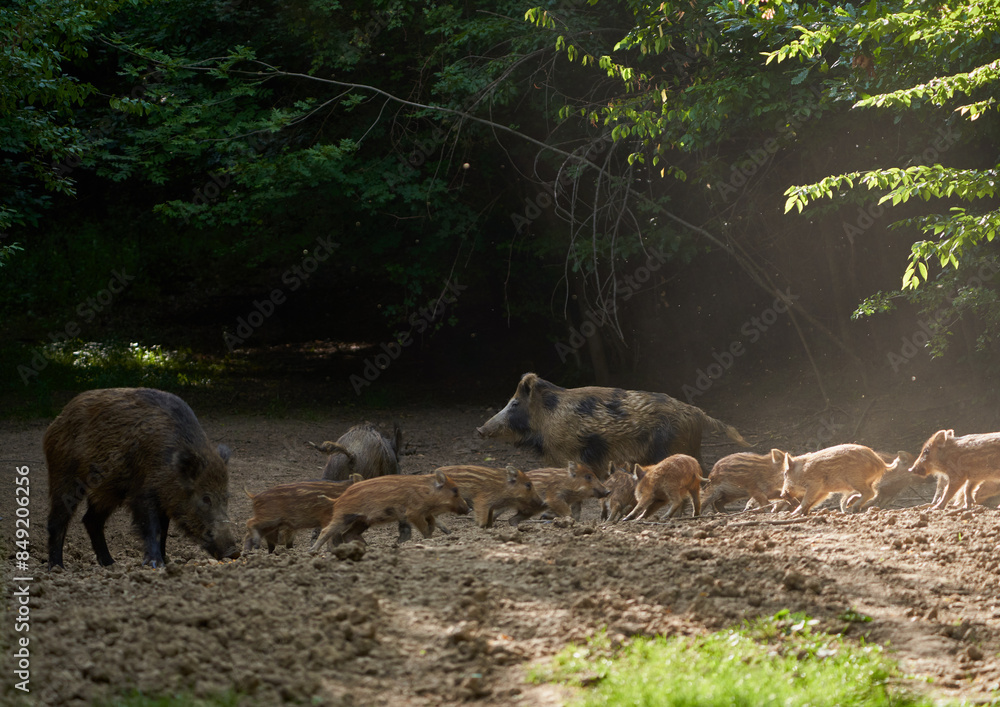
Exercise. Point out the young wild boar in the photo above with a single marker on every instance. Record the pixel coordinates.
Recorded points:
(740, 475)
(407, 500)
(670, 481)
(988, 494)
(596, 426)
(895, 480)
(491, 491)
(966, 461)
(144, 448)
(621, 495)
(564, 490)
(282, 510)
(850, 469)
(364, 450)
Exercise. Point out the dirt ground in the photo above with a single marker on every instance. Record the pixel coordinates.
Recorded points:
(462, 617)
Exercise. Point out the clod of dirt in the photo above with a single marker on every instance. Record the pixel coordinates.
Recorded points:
(793, 581)
(461, 632)
(352, 551)
(974, 653)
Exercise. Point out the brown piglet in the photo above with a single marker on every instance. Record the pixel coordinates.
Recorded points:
(896, 479)
(967, 462)
(670, 481)
(564, 490)
(621, 496)
(742, 475)
(849, 469)
(492, 491)
(282, 510)
(408, 500)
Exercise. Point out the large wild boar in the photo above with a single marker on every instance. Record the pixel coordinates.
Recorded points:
(621, 495)
(672, 480)
(849, 469)
(144, 448)
(407, 500)
(282, 510)
(966, 461)
(364, 450)
(742, 475)
(491, 491)
(597, 426)
(564, 490)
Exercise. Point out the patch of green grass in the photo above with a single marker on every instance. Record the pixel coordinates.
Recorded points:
(776, 661)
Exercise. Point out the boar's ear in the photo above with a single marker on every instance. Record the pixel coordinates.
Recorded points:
(949, 435)
(511, 474)
(777, 456)
(571, 470)
(638, 472)
(527, 385)
(611, 468)
(355, 478)
(188, 464)
(224, 453)
(440, 479)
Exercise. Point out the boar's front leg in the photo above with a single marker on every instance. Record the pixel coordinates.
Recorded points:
(152, 524)
(94, 520)
(418, 521)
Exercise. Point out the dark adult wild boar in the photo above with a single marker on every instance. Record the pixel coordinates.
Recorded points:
(282, 510)
(849, 469)
(597, 426)
(672, 480)
(406, 500)
(364, 450)
(491, 491)
(144, 448)
(966, 461)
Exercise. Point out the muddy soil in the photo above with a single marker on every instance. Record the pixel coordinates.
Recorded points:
(462, 617)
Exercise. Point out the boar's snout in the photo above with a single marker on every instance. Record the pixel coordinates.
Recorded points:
(480, 432)
(221, 544)
(461, 507)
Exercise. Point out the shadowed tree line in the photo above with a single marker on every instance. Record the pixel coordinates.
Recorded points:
(618, 191)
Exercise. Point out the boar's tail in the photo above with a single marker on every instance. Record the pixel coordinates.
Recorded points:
(719, 427)
(249, 495)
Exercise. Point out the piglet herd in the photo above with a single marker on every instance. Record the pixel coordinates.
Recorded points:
(635, 452)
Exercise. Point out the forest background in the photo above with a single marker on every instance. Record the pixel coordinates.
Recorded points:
(434, 198)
